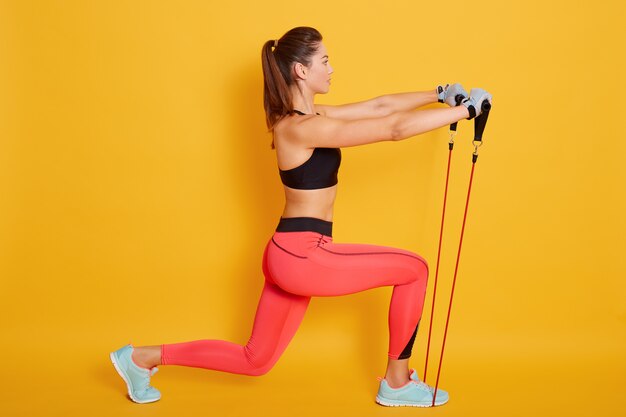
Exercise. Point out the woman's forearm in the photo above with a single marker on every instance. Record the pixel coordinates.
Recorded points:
(411, 123)
(392, 103)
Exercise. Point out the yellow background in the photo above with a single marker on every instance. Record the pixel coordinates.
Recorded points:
(138, 189)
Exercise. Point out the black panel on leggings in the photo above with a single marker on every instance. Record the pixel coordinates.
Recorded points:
(406, 353)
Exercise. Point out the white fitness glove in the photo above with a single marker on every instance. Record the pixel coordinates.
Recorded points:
(448, 93)
(475, 101)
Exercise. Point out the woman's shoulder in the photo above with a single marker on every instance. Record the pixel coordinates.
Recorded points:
(287, 128)
(290, 152)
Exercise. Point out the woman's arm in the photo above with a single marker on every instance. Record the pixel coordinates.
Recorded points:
(380, 106)
(391, 103)
(326, 132)
(407, 124)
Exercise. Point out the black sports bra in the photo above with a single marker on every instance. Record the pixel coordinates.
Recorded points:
(319, 171)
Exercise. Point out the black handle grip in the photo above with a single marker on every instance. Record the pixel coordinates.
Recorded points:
(480, 122)
(458, 99)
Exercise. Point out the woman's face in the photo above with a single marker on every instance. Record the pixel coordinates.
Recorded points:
(318, 73)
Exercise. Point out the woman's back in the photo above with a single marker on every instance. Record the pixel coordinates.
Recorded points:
(310, 198)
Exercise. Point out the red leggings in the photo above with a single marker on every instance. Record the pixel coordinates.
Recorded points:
(300, 261)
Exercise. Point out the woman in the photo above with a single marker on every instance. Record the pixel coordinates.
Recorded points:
(300, 259)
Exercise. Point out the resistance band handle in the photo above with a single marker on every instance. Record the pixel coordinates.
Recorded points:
(480, 122)
(458, 99)
(479, 127)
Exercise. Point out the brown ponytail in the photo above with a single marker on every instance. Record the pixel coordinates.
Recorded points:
(297, 45)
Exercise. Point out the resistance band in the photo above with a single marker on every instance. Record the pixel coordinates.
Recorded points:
(480, 123)
(458, 99)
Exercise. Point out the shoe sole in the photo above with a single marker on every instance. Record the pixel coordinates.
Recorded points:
(130, 391)
(391, 403)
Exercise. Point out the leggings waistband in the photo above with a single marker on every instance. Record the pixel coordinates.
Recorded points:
(305, 224)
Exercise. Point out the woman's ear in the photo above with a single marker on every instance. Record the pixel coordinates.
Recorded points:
(300, 70)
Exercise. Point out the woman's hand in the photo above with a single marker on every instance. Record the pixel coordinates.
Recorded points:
(475, 101)
(448, 93)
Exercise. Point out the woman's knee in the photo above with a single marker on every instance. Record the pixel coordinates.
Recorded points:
(258, 368)
(260, 362)
(259, 371)
(418, 266)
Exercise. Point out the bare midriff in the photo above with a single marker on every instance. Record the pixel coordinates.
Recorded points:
(310, 203)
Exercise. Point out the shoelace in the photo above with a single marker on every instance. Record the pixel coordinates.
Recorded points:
(425, 385)
(151, 372)
(418, 383)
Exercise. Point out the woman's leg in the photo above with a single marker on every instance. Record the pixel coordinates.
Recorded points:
(310, 264)
(306, 264)
(277, 319)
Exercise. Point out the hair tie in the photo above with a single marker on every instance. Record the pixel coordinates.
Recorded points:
(275, 43)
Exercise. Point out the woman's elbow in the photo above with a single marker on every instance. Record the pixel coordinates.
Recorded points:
(396, 135)
(396, 131)
(382, 107)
